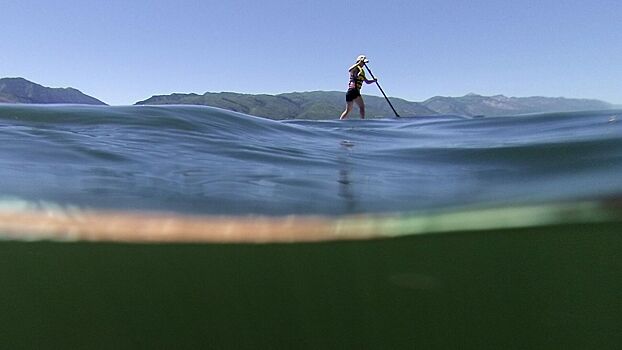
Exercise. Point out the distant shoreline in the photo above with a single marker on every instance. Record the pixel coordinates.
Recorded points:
(314, 104)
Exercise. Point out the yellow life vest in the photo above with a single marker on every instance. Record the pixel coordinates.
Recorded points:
(357, 77)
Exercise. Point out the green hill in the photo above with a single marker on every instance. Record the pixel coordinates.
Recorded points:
(330, 104)
(499, 105)
(314, 104)
(295, 105)
(20, 90)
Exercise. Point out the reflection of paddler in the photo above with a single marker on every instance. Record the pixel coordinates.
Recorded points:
(357, 77)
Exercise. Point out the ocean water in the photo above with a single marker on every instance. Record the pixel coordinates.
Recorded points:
(488, 233)
(202, 160)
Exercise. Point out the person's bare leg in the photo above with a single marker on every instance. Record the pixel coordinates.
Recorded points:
(359, 101)
(345, 113)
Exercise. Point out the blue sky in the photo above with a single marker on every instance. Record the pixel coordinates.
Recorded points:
(126, 51)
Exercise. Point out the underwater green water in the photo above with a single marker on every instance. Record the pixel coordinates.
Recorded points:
(551, 287)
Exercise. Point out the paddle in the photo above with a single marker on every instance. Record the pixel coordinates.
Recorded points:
(385, 95)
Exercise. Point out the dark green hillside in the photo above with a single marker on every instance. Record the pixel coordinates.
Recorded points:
(296, 105)
(19, 90)
(330, 104)
(314, 104)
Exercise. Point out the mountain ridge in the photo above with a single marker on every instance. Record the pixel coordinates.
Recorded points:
(20, 90)
(499, 105)
(330, 104)
(316, 104)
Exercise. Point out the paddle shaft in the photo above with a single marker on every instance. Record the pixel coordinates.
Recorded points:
(383, 94)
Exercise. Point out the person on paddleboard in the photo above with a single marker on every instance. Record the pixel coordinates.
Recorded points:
(357, 77)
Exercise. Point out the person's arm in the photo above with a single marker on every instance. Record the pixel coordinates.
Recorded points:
(368, 81)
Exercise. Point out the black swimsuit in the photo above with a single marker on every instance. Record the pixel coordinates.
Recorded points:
(352, 94)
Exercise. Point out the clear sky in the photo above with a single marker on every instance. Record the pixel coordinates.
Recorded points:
(125, 51)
